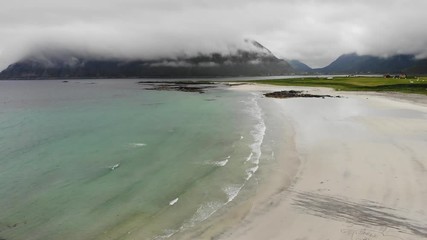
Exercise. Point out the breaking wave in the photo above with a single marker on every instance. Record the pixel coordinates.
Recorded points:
(207, 209)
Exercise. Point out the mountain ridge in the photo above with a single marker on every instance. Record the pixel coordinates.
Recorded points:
(299, 66)
(353, 63)
(257, 61)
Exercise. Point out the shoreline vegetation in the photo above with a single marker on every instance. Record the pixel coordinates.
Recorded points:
(417, 85)
(413, 85)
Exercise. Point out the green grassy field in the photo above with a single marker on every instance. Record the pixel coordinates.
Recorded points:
(377, 84)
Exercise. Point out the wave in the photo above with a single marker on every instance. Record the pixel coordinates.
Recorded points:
(251, 171)
(138, 144)
(204, 212)
(232, 191)
(258, 134)
(167, 233)
(115, 166)
(249, 157)
(171, 203)
(220, 163)
(207, 209)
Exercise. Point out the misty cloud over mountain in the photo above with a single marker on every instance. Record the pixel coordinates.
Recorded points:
(313, 31)
(254, 60)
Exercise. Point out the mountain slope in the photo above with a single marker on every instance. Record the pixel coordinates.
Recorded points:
(300, 67)
(359, 64)
(257, 61)
(420, 67)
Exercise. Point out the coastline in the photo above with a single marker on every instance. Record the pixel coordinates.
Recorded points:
(359, 175)
(271, 178)
(322, 166)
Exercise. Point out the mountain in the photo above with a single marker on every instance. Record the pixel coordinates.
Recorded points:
(300, 67)
(366, 64)
(254, 61)
(420, 67)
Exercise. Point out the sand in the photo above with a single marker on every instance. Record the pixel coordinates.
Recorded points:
(361, 170)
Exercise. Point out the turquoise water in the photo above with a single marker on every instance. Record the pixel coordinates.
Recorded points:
(109, 160)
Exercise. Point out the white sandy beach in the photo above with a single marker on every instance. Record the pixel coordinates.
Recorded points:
(361, 170)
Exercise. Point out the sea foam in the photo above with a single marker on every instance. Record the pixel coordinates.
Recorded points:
(171, 203)
(205, 211)
(258, 134)
(220, 163)
(138, 144)
(232, 191)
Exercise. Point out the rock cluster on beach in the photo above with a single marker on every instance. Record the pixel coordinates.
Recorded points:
(296, 94)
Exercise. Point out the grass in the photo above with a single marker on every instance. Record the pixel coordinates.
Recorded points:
(376, 84)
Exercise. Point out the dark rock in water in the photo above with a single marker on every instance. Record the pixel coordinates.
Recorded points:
(178, 82)
(296, 94)
(182, 86)
(177, 88)
(12, 226)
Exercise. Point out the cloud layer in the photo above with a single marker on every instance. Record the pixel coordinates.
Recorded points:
(314, 31)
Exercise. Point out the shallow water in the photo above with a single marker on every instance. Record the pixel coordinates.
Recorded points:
(106, 159)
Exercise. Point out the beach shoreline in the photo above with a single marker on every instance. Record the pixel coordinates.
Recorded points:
(359, 173)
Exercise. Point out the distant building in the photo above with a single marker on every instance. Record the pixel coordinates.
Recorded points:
(403, 76)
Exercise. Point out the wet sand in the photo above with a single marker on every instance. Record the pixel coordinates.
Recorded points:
(361, 170)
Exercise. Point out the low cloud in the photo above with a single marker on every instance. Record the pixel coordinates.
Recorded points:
(172, 64)
(314, 31)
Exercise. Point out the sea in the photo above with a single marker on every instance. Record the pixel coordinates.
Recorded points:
(109, 159)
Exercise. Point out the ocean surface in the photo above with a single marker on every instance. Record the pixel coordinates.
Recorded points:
(107, 159)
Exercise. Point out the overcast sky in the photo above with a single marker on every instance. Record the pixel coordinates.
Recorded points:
(313, 31)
